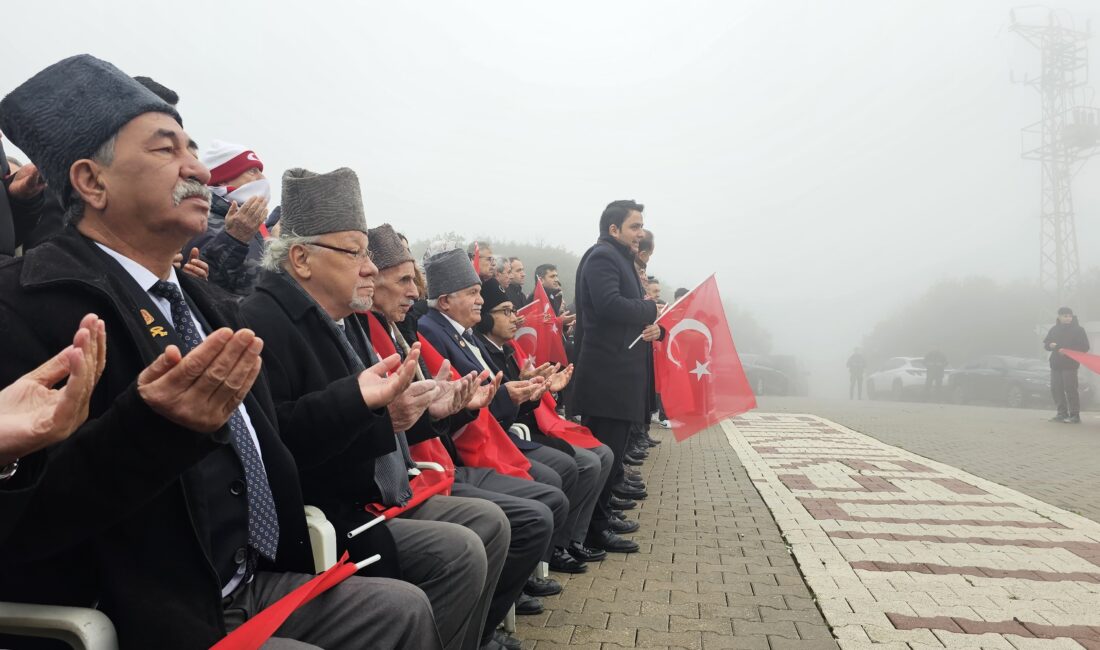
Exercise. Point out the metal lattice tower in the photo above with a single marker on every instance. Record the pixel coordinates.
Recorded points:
(1065, 137)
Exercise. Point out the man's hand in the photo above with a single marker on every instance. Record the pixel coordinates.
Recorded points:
(525, 391)
(383, 382)
(559, 380)
(26, 183)
(33, 414)
(243, 222)
(651, 332)
(567, 319)
(483, 395)
(194, 267)
(1051, 345)
(530, 371)
(200, 391)
(453, 394)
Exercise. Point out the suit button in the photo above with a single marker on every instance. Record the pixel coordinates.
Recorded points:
(236, 488)
(240, 556)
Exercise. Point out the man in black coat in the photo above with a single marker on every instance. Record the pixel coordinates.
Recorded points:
(318, 273)
(187, 513)
(1067, 334)
(611, 382)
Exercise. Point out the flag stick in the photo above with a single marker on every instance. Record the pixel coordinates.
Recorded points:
(367, 526)
(668, 308)
(367, 562)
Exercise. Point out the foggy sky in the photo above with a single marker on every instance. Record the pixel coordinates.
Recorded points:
(828, 159)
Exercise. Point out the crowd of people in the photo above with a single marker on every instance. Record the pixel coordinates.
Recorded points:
(186, 369)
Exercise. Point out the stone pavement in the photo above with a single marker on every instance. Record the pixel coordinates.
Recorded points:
(1017, 448)
(905, 552)
(713, 571)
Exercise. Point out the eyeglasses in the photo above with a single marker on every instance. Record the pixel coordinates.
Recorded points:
(359, 255)
(507, 312)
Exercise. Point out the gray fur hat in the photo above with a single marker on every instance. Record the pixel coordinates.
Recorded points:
(386, 248)
(68, 110)
(317, 204)
(448, 272)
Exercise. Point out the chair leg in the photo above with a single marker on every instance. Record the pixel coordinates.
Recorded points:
(510, 621)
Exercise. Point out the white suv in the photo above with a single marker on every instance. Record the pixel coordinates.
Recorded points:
(897, 377)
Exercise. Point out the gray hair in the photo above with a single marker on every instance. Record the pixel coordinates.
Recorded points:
(104, 155)
(277, 250)
(502, 262)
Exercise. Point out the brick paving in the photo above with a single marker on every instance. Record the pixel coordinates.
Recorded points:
(906, 552)
(713, 571)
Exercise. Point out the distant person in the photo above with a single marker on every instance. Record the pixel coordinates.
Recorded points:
(680, 293)
(1067, 334)
(935, 363)
(856, 367)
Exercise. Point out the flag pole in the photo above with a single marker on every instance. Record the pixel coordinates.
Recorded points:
(668, 308)
(367, 526)
(367, 562)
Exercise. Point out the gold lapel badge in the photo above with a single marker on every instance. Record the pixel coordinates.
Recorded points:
(157, 331)
(147, 316)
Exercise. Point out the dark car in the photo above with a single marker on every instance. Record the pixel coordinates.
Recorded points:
(764, 379)
(1012, 381)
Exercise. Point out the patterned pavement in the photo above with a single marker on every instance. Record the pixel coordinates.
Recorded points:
(904, 552)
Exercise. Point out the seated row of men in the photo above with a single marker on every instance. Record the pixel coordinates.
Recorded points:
(178, 506)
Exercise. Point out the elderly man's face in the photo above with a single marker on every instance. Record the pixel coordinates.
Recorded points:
(156, 184)
(341, 274)
(505, 277)
(485, 263)
(463, 306)
(395, 291)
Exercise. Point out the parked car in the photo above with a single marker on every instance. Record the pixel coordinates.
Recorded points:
(897, 378)
(764, 379)
(1012, 381)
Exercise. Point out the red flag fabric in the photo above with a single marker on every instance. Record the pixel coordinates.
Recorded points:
(482, 443)
(434, 483)
(701, 378)
(554, 425)
(477, 260)
(258, 629)
(540, 335)
(1090, 361)
(428, 451)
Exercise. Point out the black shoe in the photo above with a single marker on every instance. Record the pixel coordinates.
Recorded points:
(632, 461)
(623, 526)
(627, 492)
(608, 541)
(636, 483)
(619, 503)
(584, 554)
(1059, 418)
(1073, 419)
(617, 513)
(540, 587)
(506, 640)
(528, 605)
(638, 451)
(632, 474)
(563, 562)
(652, 442)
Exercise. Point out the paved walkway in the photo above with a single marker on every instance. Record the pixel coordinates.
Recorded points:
(904, 552)
(713, 571)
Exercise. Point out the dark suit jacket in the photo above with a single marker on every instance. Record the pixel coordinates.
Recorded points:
(611, 381)
(435, 327)
(122, 515)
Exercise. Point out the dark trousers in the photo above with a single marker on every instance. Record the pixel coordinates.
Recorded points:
(855, 385)
(933, 384)
(613, 433)
(1063, 386)
(532, 524)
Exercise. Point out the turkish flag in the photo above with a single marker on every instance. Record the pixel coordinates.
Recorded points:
(696, 366)
(554, 425)
(1090, 361)
(481, 443)
(428, 451)
(540, 335)
(477, 259)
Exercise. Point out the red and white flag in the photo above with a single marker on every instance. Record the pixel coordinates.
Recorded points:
(700, 376)
(540, 335)
(1090, 361)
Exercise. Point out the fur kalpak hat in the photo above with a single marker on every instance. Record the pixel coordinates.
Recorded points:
(448, 272)
(317, 204)
(68, 110)
(386, 248)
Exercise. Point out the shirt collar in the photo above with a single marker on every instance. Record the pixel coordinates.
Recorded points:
(143, 276)
(458, 328)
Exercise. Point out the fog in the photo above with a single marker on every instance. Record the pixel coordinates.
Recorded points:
(829, 160)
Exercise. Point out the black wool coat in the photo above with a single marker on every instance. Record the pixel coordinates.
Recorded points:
(322, 418)
(119, 516)
(611, 381)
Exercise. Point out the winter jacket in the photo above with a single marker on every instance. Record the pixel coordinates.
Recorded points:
(1070, 337)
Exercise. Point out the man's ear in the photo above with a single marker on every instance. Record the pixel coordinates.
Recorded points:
(299, 262)
(85, 176)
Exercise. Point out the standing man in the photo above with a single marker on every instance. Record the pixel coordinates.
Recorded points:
(485, 262)
(856, 366)
(935, 363)
(515, 289)
(1067, 334)
(612, 380)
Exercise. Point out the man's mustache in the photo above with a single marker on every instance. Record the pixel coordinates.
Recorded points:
(190, 188)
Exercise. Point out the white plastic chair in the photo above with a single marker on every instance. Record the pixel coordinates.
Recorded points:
(83, 629)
